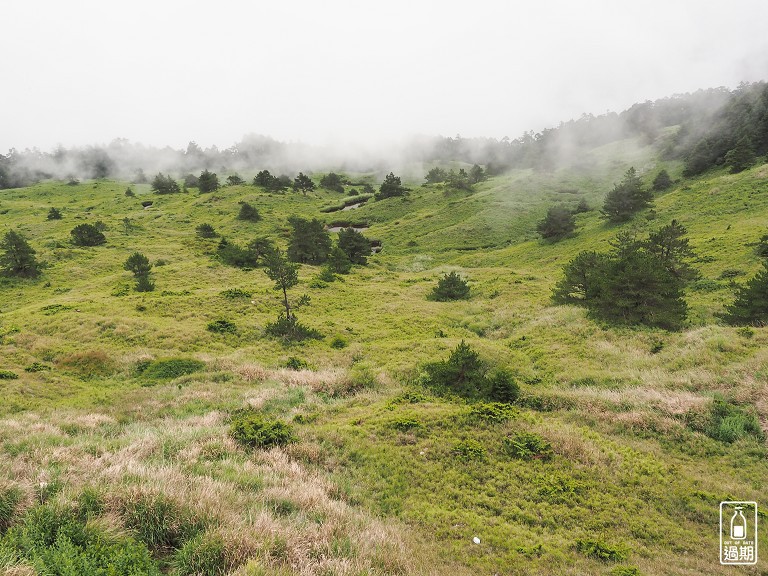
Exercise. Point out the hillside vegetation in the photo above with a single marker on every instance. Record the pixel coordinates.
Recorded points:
(118, 406)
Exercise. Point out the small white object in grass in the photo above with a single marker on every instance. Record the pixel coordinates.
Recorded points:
(476, 540)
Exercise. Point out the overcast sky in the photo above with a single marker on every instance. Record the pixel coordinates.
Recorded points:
(167, 72)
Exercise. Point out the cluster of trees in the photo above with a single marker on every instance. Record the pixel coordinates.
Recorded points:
(638, 282)
(334, 182)
(461, 180)
(736, 135)
(271, 183)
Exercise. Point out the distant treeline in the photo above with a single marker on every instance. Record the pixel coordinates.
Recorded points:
(717, 127)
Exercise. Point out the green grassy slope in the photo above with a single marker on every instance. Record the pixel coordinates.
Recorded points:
(629, 471)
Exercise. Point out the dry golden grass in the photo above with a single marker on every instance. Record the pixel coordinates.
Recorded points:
(270, 508)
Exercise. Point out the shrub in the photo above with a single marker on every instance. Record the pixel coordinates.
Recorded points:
(295, 363)
(208, 181)
(53, 540)
(172, 368)
(234, 293)
(8, 375)
(203, 555)
(221, 326)
(557, 224)
(252, 430)
(291, 329)
(492, 411)
(625, 571)
(54, 214)
(37, 367)
(503, 387)
(129, 193)
(527, 446)
(205, 231)
(249, 213)
(87, 235)
(601, 551)
(339, 342)
(406, 424)
(463, 373)
(468, 450)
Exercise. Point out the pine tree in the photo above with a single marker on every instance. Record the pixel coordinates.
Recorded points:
(140, 266)
(18, 257)
(450, 287)
(662, 181)
(303, 183)
(249, 213)
(87, 235)
(208, 181)
(670, 245)
(309, 242)
(626, 198)
(356, 246)
(750, 305)
(557, 224)
(338, 261)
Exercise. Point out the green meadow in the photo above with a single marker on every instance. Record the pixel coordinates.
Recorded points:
(386, 475)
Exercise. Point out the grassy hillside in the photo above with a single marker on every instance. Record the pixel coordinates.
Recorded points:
(386, 477)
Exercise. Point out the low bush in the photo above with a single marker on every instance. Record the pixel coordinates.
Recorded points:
(8, 375)
(339, 342)
(172, 368)
(37, 367)
(503, 387)
(468, 450)
(291, 329)
(527, 446)
(295, 363)
(87, 235)
(205, 231)
(52, 539)
(234, 293)
(495, 412)
(601, 551)
(253, 430)
(248, 213)
(221, 326)
(406, 424)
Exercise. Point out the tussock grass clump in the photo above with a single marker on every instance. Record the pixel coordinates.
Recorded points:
(89, 363)
(10, 497)
(203, 555)
(255, 431)
(172, 368)
(726, 421)
(158, 521)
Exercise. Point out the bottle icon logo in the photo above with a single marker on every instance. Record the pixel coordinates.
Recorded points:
(738, 533)
(738, 524)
